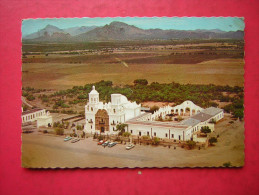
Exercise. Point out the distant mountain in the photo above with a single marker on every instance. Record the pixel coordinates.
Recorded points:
(47, 31)
(123, 31)
(114, 31)
(55, 37)
(79, 30)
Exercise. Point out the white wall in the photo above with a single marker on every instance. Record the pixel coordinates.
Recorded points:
(30, 117)
(157, 131)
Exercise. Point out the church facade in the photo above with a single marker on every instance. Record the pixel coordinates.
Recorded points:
(103, 117)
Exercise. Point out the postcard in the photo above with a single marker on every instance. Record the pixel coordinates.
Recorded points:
(130, 92)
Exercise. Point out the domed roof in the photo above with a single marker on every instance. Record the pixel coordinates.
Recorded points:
(124, 99)
(94, 91)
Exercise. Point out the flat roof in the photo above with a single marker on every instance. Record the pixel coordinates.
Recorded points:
(140, 116)
(212, 111)
(190, 122)
(31, 111)
(158, 124)
(201, 116)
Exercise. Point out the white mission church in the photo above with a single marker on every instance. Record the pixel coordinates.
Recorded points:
(102, 118)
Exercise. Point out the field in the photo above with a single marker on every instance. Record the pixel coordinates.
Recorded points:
(199, 63)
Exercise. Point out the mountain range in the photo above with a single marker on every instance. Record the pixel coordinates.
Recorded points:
(123, 31)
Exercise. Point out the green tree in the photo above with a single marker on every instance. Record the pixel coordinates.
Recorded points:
(205, 129)
(140, 82)
(121, 127)
(154, 108)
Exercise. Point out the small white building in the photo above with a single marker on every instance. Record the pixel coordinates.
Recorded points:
(44, 121)
(32, 115)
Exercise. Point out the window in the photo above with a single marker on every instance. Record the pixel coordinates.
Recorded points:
(131, 131)
(92, 109)
(91, 126)
(113, 129)
(172, 135)
(114, 110)
(139, 133)
(179, 137)
(166, 135)
(154, 133)
(148, 133)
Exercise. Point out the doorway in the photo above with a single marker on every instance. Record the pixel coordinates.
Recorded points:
(102, 129)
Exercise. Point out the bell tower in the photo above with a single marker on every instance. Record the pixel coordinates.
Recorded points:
(93, 96)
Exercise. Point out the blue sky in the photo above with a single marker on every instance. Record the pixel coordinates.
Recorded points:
(176, 23)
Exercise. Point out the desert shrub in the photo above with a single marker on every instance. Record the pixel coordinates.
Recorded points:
(30, 97)
(213, 140)
(25, 108)
(213, 121)
(126, 134)
(205, 129)
(145, 137)
(190, 144)
(155, 141)
(59, 131)
(227, 164)
(140, 82)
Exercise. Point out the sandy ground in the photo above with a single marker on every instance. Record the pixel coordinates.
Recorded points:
(40, 150)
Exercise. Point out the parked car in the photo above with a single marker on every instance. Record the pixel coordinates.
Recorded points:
(112, 144)
(105, 143)
(130, 147)
(67, 138)
(75, 140)
(100, 142)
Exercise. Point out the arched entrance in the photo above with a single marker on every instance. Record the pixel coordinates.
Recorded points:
(102, 129)
(102, 120)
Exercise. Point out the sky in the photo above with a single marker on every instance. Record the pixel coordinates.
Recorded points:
(177, 23)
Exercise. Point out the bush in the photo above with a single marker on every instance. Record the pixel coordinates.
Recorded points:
(191, 144)
(213, 121)
(100, 137)
(155, 141)
(213, 140)
(205, 129)
(30, 97)
(25, 108)
(59, 131)
(45, 131)
(227, 164)
(154, 108)
(140, 82)
(145, 137)
(126, 134)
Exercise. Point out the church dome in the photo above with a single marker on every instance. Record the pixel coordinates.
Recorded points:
(94, 91)
(124, 99)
